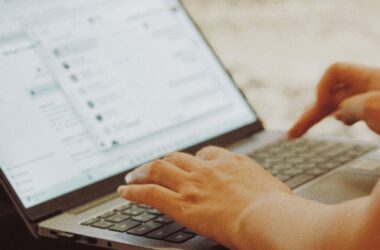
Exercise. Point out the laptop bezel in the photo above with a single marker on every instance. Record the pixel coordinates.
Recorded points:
(91, 192)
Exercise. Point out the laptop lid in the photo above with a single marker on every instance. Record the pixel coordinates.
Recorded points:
(90, 89)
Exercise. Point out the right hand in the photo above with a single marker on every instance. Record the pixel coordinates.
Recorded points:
(349, 92)
(210, 193)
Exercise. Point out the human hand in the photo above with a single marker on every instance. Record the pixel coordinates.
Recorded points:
(210, 193)
(350, 92)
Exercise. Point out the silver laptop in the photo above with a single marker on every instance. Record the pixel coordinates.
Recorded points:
(91, 89)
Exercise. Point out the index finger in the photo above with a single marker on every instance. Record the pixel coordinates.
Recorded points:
(308, 120)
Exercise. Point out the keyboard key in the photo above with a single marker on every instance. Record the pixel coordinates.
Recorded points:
(118, 218)
(318, 159)
(143, 206)
(145, 228)
(297, 160)
(283, 178)
(164, 219)
(145, 217)
(165, 231)
(299, 180)
(307, 165)
(180, 237)
(90, 222)
(293, 171)
(186, 230)
(133, 211)
(106, 215)
(282, 166)
(298, 151)
(102, 224)
(123, 207)
(260, 155)
(342, 159)
(316, 171)
(124, 226)
(329, 165)
(154, 211)
(274, 171)
(354, 154)
(334, 152)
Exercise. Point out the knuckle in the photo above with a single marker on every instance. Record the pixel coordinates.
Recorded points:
(127, 193)
(207, 150)
(205, 172)
(171, 156)
(150, 191)
(238, 157)
(196, 178)
(211, 148)
(154, 168)
(190, 195)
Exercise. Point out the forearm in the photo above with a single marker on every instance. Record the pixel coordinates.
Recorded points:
(290, 222)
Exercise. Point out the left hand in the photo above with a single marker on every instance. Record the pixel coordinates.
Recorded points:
(364, 107)
(350, 92)
(210, 193)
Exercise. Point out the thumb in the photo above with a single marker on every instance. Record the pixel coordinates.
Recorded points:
(371, 111)
(352, 109)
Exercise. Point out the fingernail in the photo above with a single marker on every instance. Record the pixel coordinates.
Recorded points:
(128, 179)
(122, 191)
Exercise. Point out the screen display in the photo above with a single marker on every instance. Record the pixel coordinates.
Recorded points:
(92, 88)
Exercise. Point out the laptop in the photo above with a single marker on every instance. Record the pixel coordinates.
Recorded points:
(91, 89)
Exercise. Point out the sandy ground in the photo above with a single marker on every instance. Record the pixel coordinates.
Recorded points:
(277, 50)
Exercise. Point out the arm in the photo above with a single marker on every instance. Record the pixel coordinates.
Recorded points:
(296, 223)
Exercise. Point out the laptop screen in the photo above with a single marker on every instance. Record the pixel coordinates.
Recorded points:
(92, 88)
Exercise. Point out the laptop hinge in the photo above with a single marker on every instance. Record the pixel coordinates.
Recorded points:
(49, 215)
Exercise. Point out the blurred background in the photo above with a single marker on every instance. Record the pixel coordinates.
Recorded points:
(277, 50)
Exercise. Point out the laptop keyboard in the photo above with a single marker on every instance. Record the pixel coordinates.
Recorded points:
(299, 161)
(293, 162)
(141, 220)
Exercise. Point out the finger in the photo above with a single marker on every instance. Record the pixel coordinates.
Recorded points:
(308, 120)
(159, 172)
(350, 110)
(153, 195)
(211, 153)
(347, 120)
(184, 161)
(343, 80)
(371, 112)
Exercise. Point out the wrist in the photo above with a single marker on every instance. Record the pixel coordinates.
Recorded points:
(286, 221)
(251, 228)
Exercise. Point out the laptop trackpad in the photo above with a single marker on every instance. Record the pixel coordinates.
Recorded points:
(340, 186)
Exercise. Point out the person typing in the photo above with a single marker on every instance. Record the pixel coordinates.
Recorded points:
(232, 200)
